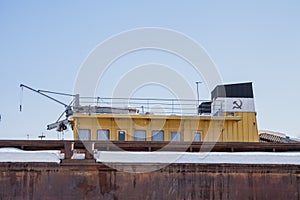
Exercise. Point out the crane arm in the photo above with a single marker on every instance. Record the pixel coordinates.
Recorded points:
(60, 125)
(40, 92)
(58, 93)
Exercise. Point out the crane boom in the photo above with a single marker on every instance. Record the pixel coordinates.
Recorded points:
(38, 91)
(60, 125)
(58, 93)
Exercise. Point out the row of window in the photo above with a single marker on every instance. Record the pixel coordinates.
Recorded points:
(139, 135)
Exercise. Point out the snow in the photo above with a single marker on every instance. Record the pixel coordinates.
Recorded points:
(78, 156)
(200, 157)
(17, 155)
(295, 139)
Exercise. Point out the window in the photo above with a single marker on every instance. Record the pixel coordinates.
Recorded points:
(121, 135)
(139, 135)
(197, 137)
(176, 136)
(103, 134)
(84, 134)
(158, 135)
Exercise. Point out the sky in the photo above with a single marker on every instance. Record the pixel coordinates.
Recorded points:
(44, 44)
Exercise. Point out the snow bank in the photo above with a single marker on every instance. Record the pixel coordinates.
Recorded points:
(200, 157)
(17, 155)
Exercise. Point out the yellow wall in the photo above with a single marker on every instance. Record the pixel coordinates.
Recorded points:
(241, 127)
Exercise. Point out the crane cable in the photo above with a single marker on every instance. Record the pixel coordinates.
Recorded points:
(21, 98)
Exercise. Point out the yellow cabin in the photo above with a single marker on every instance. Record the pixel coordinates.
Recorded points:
(229, 117)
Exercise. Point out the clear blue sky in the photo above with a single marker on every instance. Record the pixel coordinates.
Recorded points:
(43, 44)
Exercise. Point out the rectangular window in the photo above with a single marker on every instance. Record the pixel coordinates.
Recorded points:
(176, 136)
(197, 137)
(121, 135)
(84, 134)
(103, 134)
(158, 135)
(139, 135)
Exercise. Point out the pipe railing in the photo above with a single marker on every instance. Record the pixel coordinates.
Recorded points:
(146, 105)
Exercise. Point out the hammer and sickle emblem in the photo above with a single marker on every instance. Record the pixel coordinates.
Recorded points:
(237, 104)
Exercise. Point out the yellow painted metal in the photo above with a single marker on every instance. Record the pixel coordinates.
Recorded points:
(233, 127)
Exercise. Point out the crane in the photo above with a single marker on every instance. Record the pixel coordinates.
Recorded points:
(59, 125)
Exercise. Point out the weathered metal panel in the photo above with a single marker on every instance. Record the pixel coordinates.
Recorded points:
(87, 180)
(241, 90)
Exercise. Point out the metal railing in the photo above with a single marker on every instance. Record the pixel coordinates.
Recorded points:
(145, 105)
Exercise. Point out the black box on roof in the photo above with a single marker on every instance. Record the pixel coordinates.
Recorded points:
(240, 90)
(204, 107)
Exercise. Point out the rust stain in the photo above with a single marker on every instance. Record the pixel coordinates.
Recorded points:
(180, 181)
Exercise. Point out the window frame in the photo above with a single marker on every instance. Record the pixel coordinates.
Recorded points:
(177, 133)
(197, 132)
(119, 135)
(107, 136)
(158, 131)
(144, 138)
(89, 132)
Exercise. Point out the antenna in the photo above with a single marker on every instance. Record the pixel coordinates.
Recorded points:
(197, 83)
(198, 99)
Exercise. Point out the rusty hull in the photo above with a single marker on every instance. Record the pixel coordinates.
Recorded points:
(90, 180)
